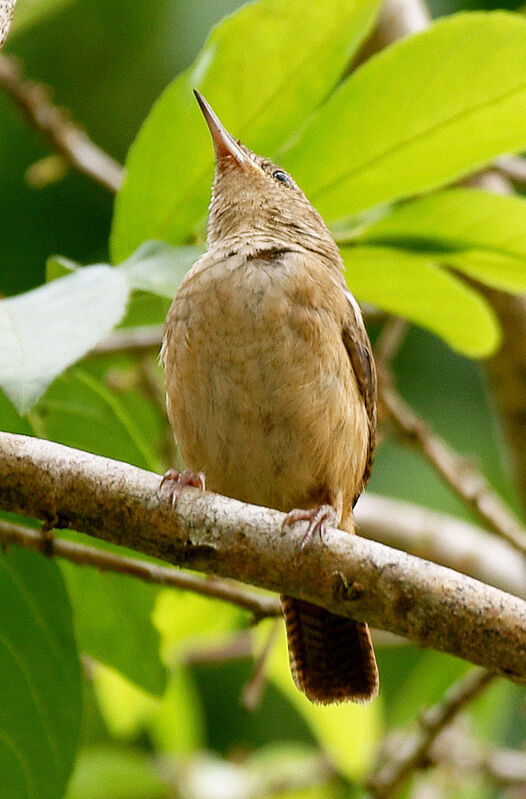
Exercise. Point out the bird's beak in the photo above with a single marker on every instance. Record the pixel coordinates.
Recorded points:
(225, 145)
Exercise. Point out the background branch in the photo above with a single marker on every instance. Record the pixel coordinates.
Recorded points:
(258, 604)
(465, 480)
(443, 539)
(412, 754)
(66, 137)
(346, 574)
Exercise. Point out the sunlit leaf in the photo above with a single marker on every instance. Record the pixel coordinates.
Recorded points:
(479, 233)
(111, 773)
(421, 113)
(40, 685)
(415, 287)
(185, 618)
(174, 722)
(45, 330)
(264, 69)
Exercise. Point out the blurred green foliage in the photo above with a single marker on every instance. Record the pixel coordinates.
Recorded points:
(147, 711)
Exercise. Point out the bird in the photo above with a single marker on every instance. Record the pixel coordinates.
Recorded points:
(271, 386)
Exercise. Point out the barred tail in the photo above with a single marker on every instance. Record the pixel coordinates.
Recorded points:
(331, 657)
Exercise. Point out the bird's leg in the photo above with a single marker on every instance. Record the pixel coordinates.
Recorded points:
(177, 481)
(320, 519)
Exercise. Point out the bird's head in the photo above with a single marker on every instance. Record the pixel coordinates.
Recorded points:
(254, 197)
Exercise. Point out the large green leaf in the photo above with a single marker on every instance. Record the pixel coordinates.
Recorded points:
(264, 70)
(113, 623)
(481, 234)
(45, 330)
(111, 773)
(78, 410)
(31, 12)
(423, 112)
(40, 685)
(414, 286)
(112, 613)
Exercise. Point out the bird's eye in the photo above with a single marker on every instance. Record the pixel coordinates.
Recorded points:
(282, 177)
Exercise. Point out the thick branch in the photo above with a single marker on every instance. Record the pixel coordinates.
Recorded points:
(61, 132)
(6, 12)
(83, 555)
(346, 574)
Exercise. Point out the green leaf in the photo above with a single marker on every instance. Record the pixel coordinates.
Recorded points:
(31, 12)
(128, 711)
(264, 70)
(58, 266)
(185, 618)
(479, 233)
(80, 411)
(47, 329)
(111, 773)
(112, 615)
(415, 287)
(40, 687)
(421, 113)
(158, 268)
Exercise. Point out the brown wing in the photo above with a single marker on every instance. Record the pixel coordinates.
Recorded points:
(359, 349)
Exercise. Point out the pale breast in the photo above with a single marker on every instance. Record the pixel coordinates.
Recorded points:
(260, 391)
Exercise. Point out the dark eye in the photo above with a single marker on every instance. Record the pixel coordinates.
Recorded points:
(282, 177)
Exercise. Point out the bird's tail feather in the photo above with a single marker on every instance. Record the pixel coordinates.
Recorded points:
(331, 657)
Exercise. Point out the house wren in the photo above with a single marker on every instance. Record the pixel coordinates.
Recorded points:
(271, 385)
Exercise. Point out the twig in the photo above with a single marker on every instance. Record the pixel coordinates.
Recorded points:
(412, 755)
(261, 606)
(460, 751)
(514, 167)
(145, 337)
(346, 574)
(65, 136)
(462, 477)
(252, 692)
(236, 647)
(389, 341)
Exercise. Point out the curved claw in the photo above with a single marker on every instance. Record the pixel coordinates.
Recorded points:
(177, 481)
(320, 519)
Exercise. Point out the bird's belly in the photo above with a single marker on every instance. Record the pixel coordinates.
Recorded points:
(264, 402)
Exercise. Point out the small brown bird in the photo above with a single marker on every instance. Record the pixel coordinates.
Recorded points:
(271, 385)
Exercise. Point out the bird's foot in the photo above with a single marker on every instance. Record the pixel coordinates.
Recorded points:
(177, 481)
(320, 519)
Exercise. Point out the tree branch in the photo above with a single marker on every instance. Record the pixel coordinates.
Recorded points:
(54, 124)
(258, 604)
(443, 539)
(465, 480)
(143, 337)
(412, 754)
(6, 13)
(345, 574)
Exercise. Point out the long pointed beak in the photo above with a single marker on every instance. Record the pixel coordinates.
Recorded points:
(224, 143)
